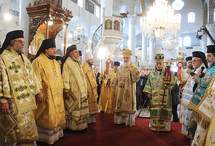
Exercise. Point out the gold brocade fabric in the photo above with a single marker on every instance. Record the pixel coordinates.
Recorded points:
(23, 82)
(106, 92)
(50, 113)
(92, 94)
(19, 85)
(125, 83)
(110, 100)
(76, 107)
(210, 135)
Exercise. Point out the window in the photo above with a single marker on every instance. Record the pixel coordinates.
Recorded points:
(97, 11)
(80, 3)
(178, 17)
(180, 42)
(123, 22)
(187, 41)
(191, 17)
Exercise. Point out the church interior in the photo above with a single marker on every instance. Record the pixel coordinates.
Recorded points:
(84, 23)
(106, 28)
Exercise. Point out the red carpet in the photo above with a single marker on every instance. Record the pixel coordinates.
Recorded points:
(104, 132)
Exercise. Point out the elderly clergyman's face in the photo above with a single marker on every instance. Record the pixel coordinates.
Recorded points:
(159, 65)
(197, 62)
(209, 57)
(75, 55)
(18, 44)
(126, 59)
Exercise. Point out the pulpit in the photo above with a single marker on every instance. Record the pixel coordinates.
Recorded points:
(46, 19)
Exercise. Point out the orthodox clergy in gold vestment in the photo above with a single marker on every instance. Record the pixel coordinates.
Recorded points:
(92, 94)
(18, 87)
(125, 87)
(50, 112)
(107, 92)
(75, 91)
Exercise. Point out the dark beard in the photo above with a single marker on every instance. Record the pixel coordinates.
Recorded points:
(90, 64)
(51, 57)
(191, 68)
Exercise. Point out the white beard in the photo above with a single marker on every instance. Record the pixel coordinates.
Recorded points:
(125, 64)
(77, 59)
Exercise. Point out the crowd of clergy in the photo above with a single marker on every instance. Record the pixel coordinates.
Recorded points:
(41, 97)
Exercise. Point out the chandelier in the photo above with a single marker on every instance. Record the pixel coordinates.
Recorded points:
(160, 21)
(169, 43)
(78, 29)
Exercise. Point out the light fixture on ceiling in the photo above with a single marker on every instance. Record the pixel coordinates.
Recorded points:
(7, 17)
(69, 35)
(121, 46)
(50, 23)
(79, 27)
(178, 5)
(160, 21)
(170, 43)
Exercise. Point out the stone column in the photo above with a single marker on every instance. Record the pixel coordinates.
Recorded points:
(132, 35)
(24, 21)
(211, 29)
(152, 52)
(106, 8)
(144, 51)
(204, 43)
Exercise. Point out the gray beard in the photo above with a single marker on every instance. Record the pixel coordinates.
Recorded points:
(212, 61)
(20, 50)
(76, 59)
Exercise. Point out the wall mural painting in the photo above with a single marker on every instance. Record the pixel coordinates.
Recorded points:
(38, 39)
(116, 25)
(108, 24)
(75, 1)
(89, 6)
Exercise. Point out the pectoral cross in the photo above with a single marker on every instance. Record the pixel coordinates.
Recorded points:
(25, 78)
(55, 74)
(15, 67)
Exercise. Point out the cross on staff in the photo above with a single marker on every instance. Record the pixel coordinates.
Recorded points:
(179, 58)
(168, 62)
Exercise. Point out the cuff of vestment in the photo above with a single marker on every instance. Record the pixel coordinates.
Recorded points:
(65, 90)
(3, 100)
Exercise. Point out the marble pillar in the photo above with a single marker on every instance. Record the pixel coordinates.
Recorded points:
(211, 29)
(143, 61)
(24, 21)
(204, 43)
(132, 35)
(152, 52)
(106, 8)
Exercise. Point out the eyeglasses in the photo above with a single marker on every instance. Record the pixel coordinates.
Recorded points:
(195, 60)
(20, 41)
